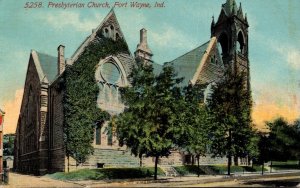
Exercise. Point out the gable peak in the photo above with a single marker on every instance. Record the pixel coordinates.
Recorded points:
(230, 7)
(110, 27)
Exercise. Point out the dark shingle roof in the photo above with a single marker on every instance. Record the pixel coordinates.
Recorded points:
(157, 68)
(187, 64)
(49, 65)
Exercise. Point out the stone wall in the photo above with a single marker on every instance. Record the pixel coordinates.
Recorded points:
(29, 146)
(56, 115)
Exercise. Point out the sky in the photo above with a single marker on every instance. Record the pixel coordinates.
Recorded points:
(176, 28)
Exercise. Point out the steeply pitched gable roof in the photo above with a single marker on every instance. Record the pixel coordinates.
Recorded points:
(157, 68)
(46, 66)
(110, 18)
(196, 65)
(187, 64)
(49, 65)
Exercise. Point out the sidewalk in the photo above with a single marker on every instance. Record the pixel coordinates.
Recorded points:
(183, 181)
(21, 180)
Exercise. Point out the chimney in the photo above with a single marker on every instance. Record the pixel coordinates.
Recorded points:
(143, 52)
(143, 36)
(61, 59)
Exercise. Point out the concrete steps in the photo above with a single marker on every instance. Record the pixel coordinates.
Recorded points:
(113, 158)
(169, 171)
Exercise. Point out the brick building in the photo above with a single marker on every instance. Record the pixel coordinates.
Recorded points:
(39, 145)
(1, 139)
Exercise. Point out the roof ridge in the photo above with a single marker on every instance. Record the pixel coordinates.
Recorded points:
(48, 65)
(190, 51)
(111, 14)
(43, 53)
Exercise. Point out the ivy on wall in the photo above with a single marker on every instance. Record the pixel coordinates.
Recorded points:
(80, 98)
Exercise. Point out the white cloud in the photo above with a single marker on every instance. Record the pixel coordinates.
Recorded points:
(170, 37)
(291, 54)
(131, 31)
(293, 58)
(71, 19)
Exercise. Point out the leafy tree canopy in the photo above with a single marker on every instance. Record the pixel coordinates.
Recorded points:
(230, 105)
(151, 124)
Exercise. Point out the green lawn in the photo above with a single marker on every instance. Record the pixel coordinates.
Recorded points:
(215, 169)
(188, 170)
(106, 173)
(222, 169)
(288, 165)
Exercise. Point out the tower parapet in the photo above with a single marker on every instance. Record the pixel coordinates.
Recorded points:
(143, 52)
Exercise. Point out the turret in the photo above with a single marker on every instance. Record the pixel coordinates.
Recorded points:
(143, 52)
(61, 65)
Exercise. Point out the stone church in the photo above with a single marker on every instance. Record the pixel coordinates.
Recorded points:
(39, 145)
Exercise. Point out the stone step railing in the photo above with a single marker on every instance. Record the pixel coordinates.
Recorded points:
(169, 171)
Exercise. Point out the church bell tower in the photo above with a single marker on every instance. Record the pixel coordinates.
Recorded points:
(231, 30)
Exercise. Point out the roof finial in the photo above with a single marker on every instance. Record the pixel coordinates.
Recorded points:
(233, 9)
(213, 21)
(212, 26)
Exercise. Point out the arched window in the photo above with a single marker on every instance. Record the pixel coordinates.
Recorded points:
(110, 76)
(106, 32)
(114, 95)
(101, 95)
(98, 135)
(240, 43)
(117, 36)
(223, 40)
(106, 94)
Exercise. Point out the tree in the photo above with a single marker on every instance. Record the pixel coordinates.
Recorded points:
(195, 139)
(263, 147)
(278, 143)
(150, 125)
(295, 148)
(230, 105)
(253, 146)
(281, 140)
(8, 144)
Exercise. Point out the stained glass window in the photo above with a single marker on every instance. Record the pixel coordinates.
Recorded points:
(110, 73)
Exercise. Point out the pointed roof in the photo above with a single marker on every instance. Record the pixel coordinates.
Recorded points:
(240, 13)
(230, 7)
(108, 20)
(157, 68)
(49, 65)
(46, 66)
(195, 65)
(187, 64)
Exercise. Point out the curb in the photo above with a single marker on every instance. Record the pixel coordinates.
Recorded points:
(178, 182)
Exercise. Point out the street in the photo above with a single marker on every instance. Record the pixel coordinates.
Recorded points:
(290, 180)
(21, 180)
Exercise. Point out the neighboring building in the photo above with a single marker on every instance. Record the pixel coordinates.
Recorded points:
(39, 146)
(1, 139)
(8, 161)
(8, 150)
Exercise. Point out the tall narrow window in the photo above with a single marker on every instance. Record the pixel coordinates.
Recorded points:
(240, 43)
(109, 135)
(223, 40)
(98, 135)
